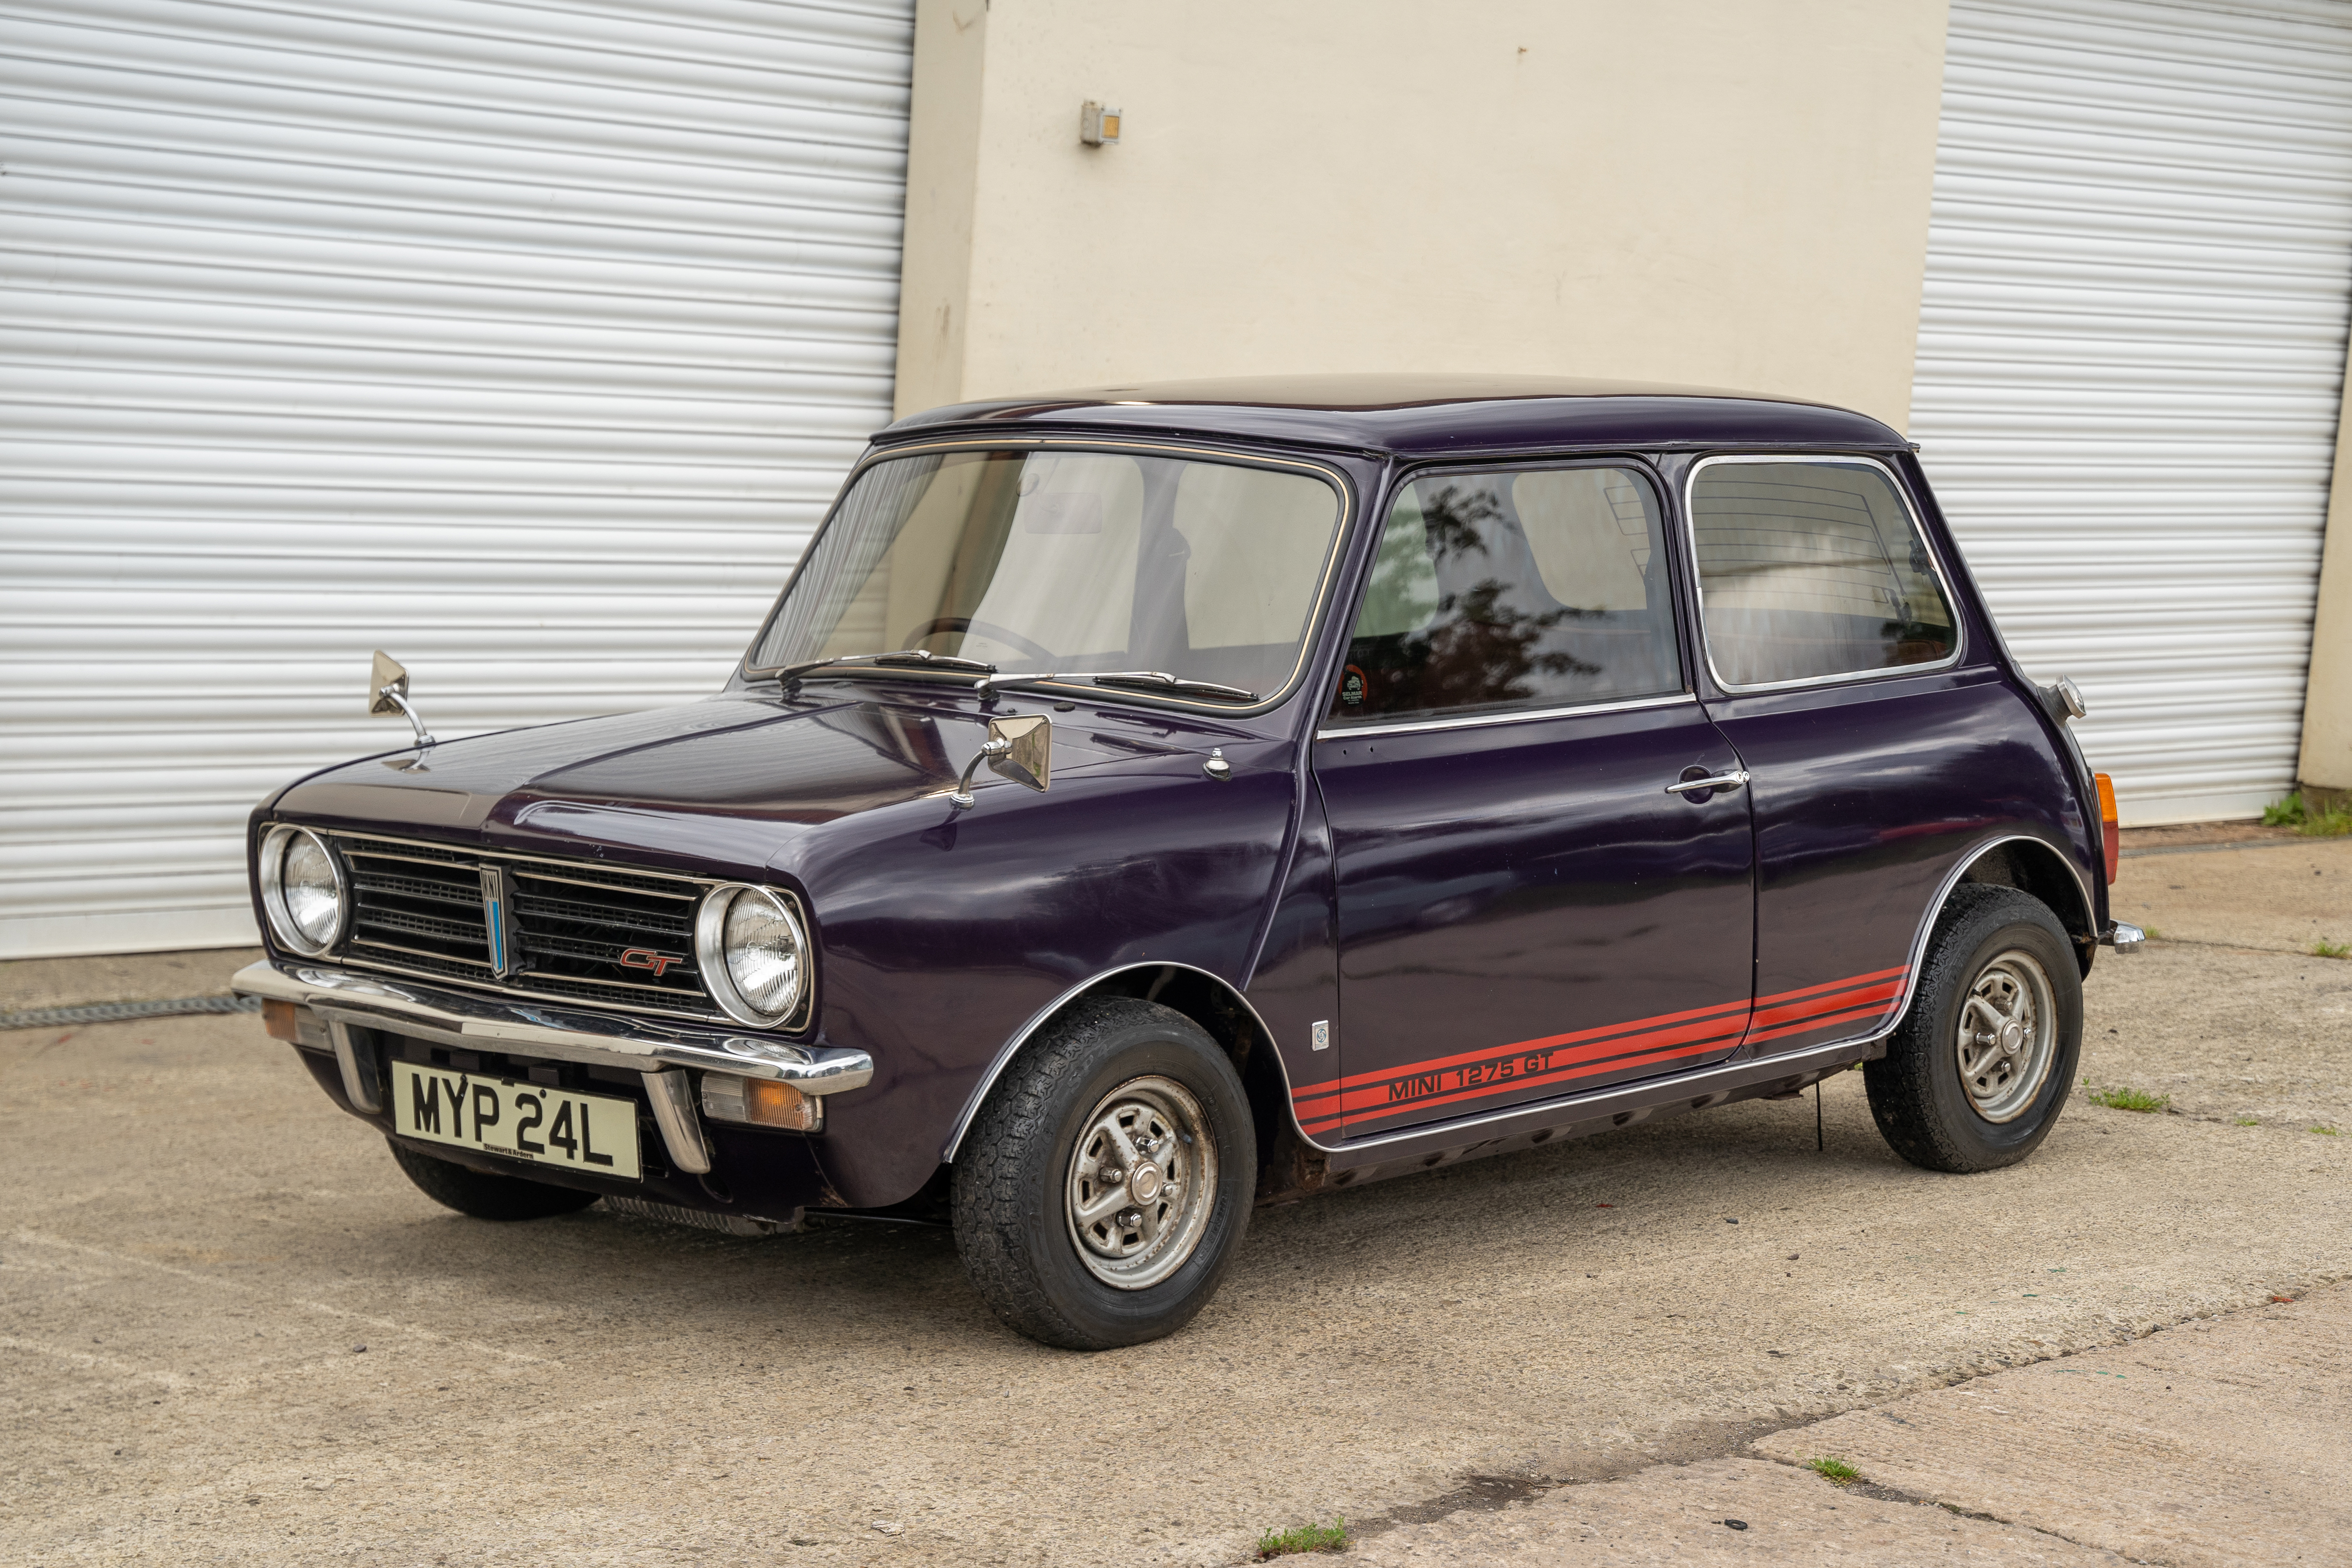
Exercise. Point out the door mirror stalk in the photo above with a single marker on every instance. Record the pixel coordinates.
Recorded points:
(1019, 747)
(388, 693)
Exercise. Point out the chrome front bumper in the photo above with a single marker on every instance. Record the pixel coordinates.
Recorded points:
(345, 999)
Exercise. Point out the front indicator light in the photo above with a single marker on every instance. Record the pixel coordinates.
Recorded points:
(761, 1102)
(2111, 832)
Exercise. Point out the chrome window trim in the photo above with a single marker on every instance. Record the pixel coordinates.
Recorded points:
(1317, 610)
(1541, 463)
(1474, 721)
(1910, 510)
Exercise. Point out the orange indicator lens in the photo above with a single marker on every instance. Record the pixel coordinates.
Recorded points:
(771, 1104)
(282, 1019)
(2111, 836)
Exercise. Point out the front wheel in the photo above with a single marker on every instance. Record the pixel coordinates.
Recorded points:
(1107, 1180)
(1975, 1073)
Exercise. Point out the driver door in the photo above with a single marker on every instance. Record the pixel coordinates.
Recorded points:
(1525, 908)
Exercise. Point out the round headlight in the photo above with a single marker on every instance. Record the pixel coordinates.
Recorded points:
(303, 889)
(753, 954)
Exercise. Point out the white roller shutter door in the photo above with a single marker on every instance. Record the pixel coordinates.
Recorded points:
(524, 341)
(2131, 351)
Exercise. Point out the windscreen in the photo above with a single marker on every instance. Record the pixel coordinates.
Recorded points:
(1067, 562)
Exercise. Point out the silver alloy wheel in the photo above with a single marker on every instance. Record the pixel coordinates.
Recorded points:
(2008, 1036)
(1143, 1181)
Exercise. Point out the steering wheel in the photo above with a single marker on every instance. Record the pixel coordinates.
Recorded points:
(966, 625)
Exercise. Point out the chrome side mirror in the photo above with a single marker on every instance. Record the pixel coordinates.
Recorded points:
(1019, 748)
(388, 693)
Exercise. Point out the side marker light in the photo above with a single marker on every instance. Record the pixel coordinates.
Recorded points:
(2111, 833)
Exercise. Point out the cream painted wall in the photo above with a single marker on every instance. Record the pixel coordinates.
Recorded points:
(1712, 192)
(2327, 693)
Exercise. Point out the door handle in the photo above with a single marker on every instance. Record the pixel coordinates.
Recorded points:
(1732, 781)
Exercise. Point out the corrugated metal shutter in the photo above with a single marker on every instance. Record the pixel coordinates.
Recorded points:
(525, 340)
(2131, 348)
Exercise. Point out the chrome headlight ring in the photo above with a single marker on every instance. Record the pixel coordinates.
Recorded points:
(753, 950)
(277, 899)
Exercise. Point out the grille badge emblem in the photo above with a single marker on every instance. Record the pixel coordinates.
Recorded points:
(498, 918)
(646, 958)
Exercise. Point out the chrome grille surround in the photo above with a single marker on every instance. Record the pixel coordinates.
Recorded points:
(421, 909)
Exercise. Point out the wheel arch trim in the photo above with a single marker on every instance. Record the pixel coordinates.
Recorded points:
(1020, 1039)
(1951, 883)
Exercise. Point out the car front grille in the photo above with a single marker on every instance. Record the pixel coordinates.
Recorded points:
(421, 909)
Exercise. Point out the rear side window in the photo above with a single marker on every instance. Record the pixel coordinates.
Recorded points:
(1534, 588)
(1811, 569)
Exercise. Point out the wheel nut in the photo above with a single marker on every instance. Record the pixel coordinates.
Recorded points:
(1110, 1175)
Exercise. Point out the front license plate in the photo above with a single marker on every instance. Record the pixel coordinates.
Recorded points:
(585, 1132)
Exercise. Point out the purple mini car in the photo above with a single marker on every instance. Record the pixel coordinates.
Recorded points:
(1147, 803)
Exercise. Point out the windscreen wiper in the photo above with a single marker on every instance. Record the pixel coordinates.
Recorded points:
(904, 659)
(1162, 680)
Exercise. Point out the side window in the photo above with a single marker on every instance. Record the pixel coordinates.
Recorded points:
(1812, 567)
(1539, 588)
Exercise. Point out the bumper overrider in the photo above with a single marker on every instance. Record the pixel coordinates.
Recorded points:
(688, 1069)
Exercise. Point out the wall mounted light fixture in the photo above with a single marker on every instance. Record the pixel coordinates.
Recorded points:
(1098, 126)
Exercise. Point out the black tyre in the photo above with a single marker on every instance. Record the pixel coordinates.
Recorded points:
(1105, 1182)
(1975, 1073)
(487, 1197)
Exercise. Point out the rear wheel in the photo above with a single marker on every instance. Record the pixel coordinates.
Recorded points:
(1975, 1075)
(1107, 1180)
(483, 1195)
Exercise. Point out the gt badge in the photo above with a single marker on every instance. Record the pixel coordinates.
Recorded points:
(646, 958)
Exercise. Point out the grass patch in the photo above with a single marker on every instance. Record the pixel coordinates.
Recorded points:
(2131, 1100)
(1331, 1537)
(2324, 1131)
(1834, 1470)
(2290, 811)
(2250, 1121)
(2324, 948)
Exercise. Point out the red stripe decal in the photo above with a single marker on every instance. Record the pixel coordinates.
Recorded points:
(1874, 1011)
(1851, 980)
(1766, 1018)
(1562, 1060)
(1550, 1041)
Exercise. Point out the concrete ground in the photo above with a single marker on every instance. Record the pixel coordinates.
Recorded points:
(231, 1331)
(29, 985)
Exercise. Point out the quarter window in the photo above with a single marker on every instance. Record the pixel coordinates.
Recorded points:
(1514, 589)
(1812, 569)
